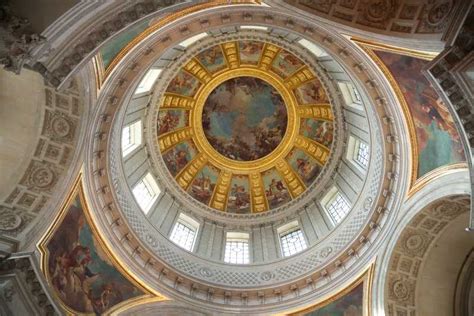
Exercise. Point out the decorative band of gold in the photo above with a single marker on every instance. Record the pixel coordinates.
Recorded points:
(245, 167)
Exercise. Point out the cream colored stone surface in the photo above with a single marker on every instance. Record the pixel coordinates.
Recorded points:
(437, 278)
(21, 109)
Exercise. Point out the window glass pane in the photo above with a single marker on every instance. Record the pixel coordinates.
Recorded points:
(145, 192)
(363, 154)
(192, 39)
(356, 94)
(126, 138)
(131, 137)
(147, 82)
(183, 235)
(292, 242)
(338, 208)
(237, 251)
(313, 48)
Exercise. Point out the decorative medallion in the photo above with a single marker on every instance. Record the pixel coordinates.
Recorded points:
(245, 127)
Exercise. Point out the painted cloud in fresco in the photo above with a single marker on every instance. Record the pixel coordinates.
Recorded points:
(437, 137)
(350, 304)
(81, 273)
(244, 118)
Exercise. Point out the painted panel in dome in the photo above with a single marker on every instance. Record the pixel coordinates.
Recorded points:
(311, 92)
(111, 49)
(305, 166)
(244, 118)
(204, 183)
(286, 64)
(438, 140)
(320, 131)
(275, 188)
(239, 196)
(184, 84)
(351, 304)
(82, 274)
(250, 52)
(171, 120)
(212, 59)
(178, 157)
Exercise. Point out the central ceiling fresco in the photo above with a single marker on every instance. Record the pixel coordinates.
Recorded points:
(245, 126)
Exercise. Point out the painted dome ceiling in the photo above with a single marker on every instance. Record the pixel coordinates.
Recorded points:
(245, 126)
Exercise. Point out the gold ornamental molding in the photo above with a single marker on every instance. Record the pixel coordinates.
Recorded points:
(308, 119)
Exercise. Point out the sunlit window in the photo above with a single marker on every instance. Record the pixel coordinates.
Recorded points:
(291, 239)
(313, 48)
(350, 94)
(131, 137)
(363, 154)
(193, 39)
(237, 248)
(148, 80)
(146, 191)
(358, 152)
(184, 232)
(254, 27)
(356, 94)
(337, 207)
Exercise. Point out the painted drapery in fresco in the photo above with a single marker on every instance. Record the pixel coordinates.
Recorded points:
(81, 273)
(437, 137)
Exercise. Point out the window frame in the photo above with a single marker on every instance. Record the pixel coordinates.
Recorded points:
(150, 184)
(287, 229)
(237, 237)
(350, 94)
(148, 81)
(353, 150)
(135, 137)
(188, 223)
(329, 200)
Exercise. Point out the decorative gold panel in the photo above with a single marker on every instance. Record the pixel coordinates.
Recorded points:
(227, 187)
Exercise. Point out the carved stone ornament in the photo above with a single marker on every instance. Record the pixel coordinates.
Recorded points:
(447, 210)
(377, 11)
(17, 40)
(438, 13)
(8, 220)
(58, 126)
(7, 292)
(40, 176)
(325, 252)
(267, 276)
(205, 272)
(415, 243)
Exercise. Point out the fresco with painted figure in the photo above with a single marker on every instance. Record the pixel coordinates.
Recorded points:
(275, 188)
(311, 92)
(250, 52)
(320, 131)
(285, 64)
(179, 156)
(184, 84)
(82, 274)
(204, 183)
(438, 140)
(239, 197)
(351, 304)
(244, 118)
(171, 120)
(305, 166)
(212, 59)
